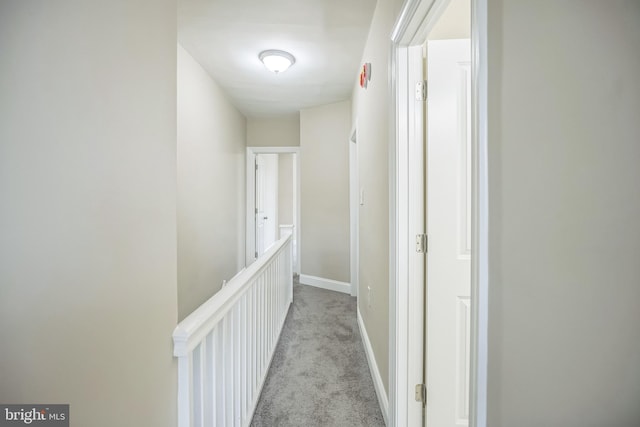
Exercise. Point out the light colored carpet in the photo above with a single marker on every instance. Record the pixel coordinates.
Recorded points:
(319, 374)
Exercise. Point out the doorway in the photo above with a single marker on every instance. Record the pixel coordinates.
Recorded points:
(273, 200)
(439, 186)
(354, 210)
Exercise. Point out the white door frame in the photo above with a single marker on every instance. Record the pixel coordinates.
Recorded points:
(354, 209)
(250, 241)
(416, 19)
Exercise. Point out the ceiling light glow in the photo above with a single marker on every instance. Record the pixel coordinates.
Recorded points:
(277, 61)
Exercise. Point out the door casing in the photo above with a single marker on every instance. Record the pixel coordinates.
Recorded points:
(416, 19)
(354, 209)
(250, 199)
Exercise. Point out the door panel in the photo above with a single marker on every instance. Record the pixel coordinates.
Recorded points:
(260, 205)
(449, 231)
(270, 217)
(266, 201)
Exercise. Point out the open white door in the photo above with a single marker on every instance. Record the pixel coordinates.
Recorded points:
(271, 229)
(266, 201)
(449, 230)
(260, 215)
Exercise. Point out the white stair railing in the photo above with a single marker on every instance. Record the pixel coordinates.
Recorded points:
(224, 348)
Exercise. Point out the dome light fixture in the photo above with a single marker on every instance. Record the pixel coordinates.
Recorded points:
(276, 61)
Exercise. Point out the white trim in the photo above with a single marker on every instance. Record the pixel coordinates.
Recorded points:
(250, 200)
(320, 282)
(410, 30)
(383, 400)
(416, 225)
(397, 245)
(480, 205)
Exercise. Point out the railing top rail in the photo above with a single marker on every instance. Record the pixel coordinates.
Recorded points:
(193, 328)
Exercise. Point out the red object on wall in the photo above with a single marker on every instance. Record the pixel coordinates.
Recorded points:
(365, 75)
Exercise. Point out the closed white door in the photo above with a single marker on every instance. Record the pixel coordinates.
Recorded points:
(449, 233)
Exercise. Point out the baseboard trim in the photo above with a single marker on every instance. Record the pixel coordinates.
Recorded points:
(383, 400)
(320, 282)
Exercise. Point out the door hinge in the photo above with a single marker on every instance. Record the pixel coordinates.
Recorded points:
(256, 211)
(421, 394)
(256, 166)
(256, 255)
(421, 243)
(421, 91)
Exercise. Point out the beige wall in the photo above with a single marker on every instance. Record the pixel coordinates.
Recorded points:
(371, 111)
(564, 156)
(324, 157)
(285, 188)
(88, 188)
(455, 22)
(211, 186)
(274, 131)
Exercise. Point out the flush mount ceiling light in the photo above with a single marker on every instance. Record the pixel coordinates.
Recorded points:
(276, 61)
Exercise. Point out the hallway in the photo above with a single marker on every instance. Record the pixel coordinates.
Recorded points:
(319, 374)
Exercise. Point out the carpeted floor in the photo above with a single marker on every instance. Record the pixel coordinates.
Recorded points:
(319, 375)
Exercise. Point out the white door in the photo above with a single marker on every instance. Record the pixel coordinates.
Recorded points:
(271, 231)
(260, 205)
(266, 201)
(449, 233)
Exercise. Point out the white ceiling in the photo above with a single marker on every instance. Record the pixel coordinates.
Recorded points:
(327, 38)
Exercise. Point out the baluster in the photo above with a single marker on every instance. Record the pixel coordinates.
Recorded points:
(184, 390)
(214, 375)
(265, 324)
(279, 288)
(274, 317)
(273, 306)
(254, 339)
(228, 371)
(243, 355)
(269, 310)
(276, 308)
(260, 332)
(198, 386)
(220, 385)
(222, 354)
(290, 278)
(266, 321)
(209, 381)
(237, 365)
(248, 382)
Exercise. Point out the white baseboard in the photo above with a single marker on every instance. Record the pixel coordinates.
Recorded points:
(383, 400)
(319, 282)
